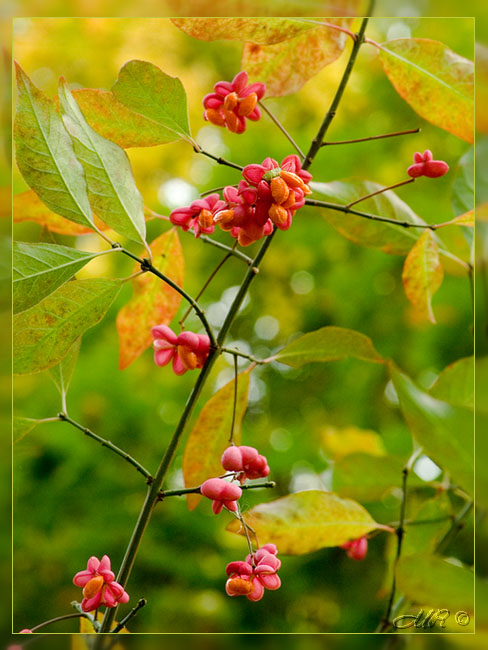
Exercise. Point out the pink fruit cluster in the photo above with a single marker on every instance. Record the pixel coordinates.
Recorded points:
(269, 196)
(257, 573)
(424, 165)
(99, 586)
(356, 548)
(246, 461)
(222, 493)
(232, 102)
(187, 350)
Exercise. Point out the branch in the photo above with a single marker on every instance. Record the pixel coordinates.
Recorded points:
(213, 242)
(146, 265)
(196, 490)
(133, 612)
(63, 417)
(90, 617)
(329, 116)
(249, 357)
(218, 159)
(57, 619)
(384, 189)
(400, 531)
(281, 128)
(371, 137)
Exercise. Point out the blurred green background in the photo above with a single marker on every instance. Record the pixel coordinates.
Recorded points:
(73, 499)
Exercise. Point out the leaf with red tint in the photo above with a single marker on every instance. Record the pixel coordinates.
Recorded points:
(423, 274)
(436, 82)
(210, 435)
(153, 301)
(285, 67)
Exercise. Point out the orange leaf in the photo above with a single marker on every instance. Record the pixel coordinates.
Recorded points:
(423, 274)
(153, 302)
(210, 435)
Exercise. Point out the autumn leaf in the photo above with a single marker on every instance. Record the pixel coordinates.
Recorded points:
(306, 521)
(423, 274)
(285, 67)
(210, 436)
(153, 301)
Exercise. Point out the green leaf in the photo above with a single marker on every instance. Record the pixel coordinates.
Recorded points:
(368, 478)
(209, 437)
(422, 274)
(463, 184)
(444, 431)
(429, 579)
(255, 30)
(150, 92)
(436, 82)
(114, 121)
(23, 426)
(423, 537)
(44, 333)
(39, 269)
(455, 383)
(365, 232)
(305, 521)
(285, 67)
(111, 186)
(328, 344)
(45, 154)
(62, 372)
(154, 302)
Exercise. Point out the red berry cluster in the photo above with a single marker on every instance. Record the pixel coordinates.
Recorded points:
(356, 548)
(257, 573)
(246, 461)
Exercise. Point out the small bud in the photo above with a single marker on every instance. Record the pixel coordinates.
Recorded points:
(279, 190)
(247, 105)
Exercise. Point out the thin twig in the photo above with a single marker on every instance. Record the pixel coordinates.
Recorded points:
(218, 159)
(146, 265)
(213, 242)
(384, 189)
(57, 619)
(372, 137)
(196, 490)
(63, 417)
(400, 532)
(243, 355)
(213, 191)
(133, 612)
(181, 322)
(234, 406)
(281, 128)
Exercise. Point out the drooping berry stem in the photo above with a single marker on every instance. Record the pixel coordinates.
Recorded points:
(372, 137)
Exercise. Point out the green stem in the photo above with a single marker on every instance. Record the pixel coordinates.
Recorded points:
(95, 624)
(57, 619)
(182, 320)
(400, 531)
(63, 417)
(371, 137)
(196, 490)
(383, 189)
(329, 116)
(249, 357)
(213, 242)
(281, 128)
(234, 406)
(152, 495)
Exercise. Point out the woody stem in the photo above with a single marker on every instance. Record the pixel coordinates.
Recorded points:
(384, 189)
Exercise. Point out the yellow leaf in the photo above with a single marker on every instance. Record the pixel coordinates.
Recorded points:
(342, 442)
(210, 435)
(423, 274)
(154, 302)
(466, 219)
(305, 521)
